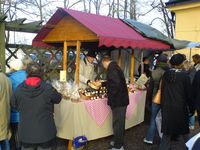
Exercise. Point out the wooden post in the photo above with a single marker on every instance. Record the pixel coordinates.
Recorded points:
(142, 63)
(119, 58)
(132, 67)
(65, 56)
(2, 47)
(70, 146)
(78, 51)
(190, 57)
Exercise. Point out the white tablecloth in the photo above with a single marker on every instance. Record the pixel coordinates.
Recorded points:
(72, 120)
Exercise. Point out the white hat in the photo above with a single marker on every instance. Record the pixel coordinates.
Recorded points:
(16, 64)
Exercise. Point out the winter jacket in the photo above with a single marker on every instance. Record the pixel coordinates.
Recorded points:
(16, 78)
(35, 105)
(196, 89)
(5, 94)
(116, 86)
(176, 98)
(157, 75)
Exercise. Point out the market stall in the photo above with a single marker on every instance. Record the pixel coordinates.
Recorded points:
(91, 116)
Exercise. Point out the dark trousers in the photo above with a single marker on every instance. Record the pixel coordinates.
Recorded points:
(4, 145)
(14, 141)
(166, 142)
(35, 148)
(119, 116)
(42, 146)
(152, 127)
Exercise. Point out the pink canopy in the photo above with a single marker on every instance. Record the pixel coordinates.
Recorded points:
(110, 31)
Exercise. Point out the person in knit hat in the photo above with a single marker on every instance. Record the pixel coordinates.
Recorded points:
(17, 75)
(16, 65)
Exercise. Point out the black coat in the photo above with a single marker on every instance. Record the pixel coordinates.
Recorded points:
(196, 89)
(35, 106)
(116, 86)
(176, 98)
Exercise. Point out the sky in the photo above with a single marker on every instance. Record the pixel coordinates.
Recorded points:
(143, 7)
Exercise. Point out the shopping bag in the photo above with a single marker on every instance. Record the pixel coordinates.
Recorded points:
(159, 123)
(157, 97)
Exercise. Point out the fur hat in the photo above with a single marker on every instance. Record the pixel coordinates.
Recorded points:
(177, 59)
(16, 64)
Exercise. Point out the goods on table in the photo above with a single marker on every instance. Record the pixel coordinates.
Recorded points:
(69, 90)
(94, 85)
(92, 94)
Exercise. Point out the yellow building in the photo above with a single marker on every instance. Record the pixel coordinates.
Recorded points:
(187, 14)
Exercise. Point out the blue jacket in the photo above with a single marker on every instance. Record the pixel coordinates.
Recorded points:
(16, 78)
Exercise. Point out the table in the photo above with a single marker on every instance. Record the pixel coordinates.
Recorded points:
(77, 119)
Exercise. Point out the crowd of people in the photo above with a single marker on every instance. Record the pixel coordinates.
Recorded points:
(176, 86)
(26, 101)
(26, 108)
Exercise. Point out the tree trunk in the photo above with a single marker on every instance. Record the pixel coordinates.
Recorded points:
(84, 6)
(125, 8)
(133, 9)
(118, 8)
(40, 9)
(167, 20)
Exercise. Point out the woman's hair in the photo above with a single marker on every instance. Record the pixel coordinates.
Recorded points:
(196, 57)
(34, 70)
(187, 65)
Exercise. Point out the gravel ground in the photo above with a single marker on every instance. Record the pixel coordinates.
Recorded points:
(133, 140)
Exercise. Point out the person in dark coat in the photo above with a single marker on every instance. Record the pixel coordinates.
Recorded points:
(34, 99)
(118, 100)
(196, 90)
(176, 98)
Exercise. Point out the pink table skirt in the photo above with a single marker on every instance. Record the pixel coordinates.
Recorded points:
(99, 110)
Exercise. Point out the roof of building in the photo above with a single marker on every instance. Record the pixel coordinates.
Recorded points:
(177, 2)
(110, 31)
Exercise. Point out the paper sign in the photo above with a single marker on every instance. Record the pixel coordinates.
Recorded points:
(142, 80)
(63, 76)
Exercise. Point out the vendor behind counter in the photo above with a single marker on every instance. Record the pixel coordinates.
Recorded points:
(87, 69)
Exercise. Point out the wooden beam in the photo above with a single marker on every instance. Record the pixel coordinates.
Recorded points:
(72, 43)
(33, 24)
(142, 63)
(78, 51)
(65, 56)
(32, 27)
(132, 67)
(2, 47)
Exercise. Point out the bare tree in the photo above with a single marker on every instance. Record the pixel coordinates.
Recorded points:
(125, 8)
(133, 9)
